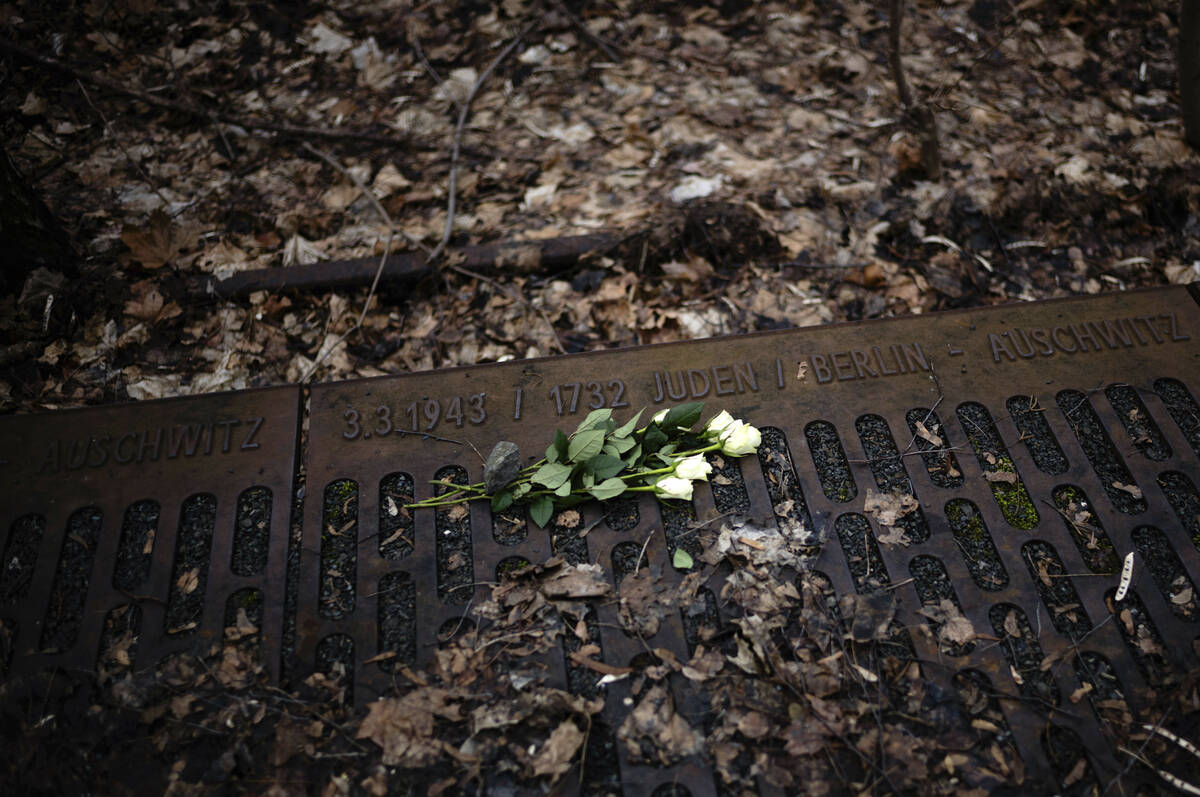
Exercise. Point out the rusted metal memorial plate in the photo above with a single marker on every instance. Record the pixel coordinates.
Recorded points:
(1043, 442)
(155, 519)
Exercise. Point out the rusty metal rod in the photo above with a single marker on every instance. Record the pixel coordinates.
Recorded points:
(551, 253)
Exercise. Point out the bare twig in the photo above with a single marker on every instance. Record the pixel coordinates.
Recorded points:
(931, 156)
(587, 32)
(247, 122)
(387, 248)
(463, 112)
(136, 164)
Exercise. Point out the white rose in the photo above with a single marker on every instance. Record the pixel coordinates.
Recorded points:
(694, 467)
(718, 424)
(740, 439)
(674, 487)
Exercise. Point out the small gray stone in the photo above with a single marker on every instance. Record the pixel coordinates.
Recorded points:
(503, 465)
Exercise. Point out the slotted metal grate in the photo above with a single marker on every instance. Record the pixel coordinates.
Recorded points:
(146, 518)
(1042, 442)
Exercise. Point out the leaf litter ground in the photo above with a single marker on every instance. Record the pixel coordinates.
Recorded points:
(759, 172)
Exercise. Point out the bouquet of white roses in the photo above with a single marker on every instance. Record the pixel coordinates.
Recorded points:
(601, 460)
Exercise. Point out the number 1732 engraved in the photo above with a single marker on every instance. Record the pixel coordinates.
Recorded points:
(419, 416)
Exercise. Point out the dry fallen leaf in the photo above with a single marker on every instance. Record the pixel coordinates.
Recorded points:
(188, 582)
(554, 759)
(153, 245)
(925, 434)
(1132, 489)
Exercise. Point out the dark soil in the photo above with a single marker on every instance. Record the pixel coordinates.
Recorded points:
(941, 464)
(1076, 513)
(1107, 698)
(1141, 428)
(335, 658)
(1171, 579)
(679, 522)
(829, 458)
(20, 557)
(622, 514)
(1100, 451)
(625, 556)
(978, 549)
(565, 539)
(339, 549)
(728, 486)
(1024, 654)
(982, 704)
(887, 467)
(1144, 641)
(8, 633)
(862, 552)
(1039, 440)
(510, 567)
(1068, 757)
(1182, 406)
(787, 496)
(193, 549)
(249, 600)
(122, 627)
(933, 585)
(1184, 500)
(701, 620)
(395, 522)
(252, 532)
(1012, 497)
(509, 527)
(397, 620)
(455, 553)
(69, 591)
(1057, 592)
(136, 546)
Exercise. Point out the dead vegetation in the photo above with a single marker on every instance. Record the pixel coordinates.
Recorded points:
(756, 164)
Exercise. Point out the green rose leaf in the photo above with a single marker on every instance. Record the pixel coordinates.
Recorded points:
(609, 488)
(587, 479)
(541, 509)
(521, 489)
(563, 490)
(593, 419)
(683, 417)
(654, 439)
(682, 560)
(627, 428)
(558, 449)
(605, 466)
(501, 501)
(620, 444)
(551, 475)
(585, 445)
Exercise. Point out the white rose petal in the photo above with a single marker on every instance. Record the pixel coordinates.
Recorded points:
(718, 424)
(740, 439)
(674, 487)
(694, 467)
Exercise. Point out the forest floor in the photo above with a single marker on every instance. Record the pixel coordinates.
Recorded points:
(752, 162)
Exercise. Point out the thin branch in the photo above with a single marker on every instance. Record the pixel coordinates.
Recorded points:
(136, 164)
(387, 248)
(931, 156)
(463, 113)
(587, 32)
